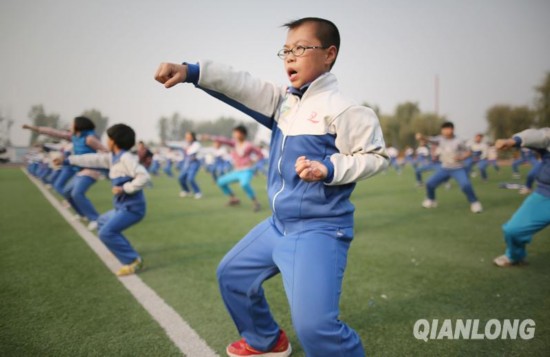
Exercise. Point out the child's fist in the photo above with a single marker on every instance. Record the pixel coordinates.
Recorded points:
(171, 74)
(310, 171)
(504, 144)
(117, 190)
(57, 161)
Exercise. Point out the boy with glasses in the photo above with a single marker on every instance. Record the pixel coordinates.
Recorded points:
(321, 145)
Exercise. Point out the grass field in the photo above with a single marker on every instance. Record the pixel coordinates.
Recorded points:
(405, 264)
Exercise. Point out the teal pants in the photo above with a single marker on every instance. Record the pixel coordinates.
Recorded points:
(532, 216)
(243, 177)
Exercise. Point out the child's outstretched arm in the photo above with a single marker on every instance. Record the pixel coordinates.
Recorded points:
(239, 89)
(54, 133)
(94, 161)
(531, 138)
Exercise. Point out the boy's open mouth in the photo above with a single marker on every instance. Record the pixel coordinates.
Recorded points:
(292, 74)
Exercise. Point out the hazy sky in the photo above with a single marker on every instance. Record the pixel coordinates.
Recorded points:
(72, 55)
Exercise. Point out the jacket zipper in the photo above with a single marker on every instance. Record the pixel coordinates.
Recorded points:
(281, 159)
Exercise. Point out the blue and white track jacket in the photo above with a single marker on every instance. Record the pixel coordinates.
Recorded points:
(538, 140)
(321, 125)
(124, 171)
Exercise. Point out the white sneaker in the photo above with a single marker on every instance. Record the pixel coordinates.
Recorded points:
(77, 217)
(427, 203)
(65, 204)
(184, 194)
(198, 196)
(92, 226)
(476, 207)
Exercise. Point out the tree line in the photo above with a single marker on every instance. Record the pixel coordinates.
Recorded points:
(504, 120)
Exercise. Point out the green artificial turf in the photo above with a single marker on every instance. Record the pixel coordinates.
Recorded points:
(406, 263)
(57, 298)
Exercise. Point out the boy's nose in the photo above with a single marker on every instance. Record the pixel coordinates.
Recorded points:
(290, 58)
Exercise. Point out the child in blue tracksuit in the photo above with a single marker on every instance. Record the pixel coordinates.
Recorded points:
(84, 140)
(534, 213)
(480, 150)
(321, 145)
(526, 155)
(452, 153)
(128, 178)
(190, 166)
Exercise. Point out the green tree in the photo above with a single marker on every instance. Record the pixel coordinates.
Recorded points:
(39, 117)
(99, 120)
(173, 128)
(542, 103)
(505, 120)
(427, 124)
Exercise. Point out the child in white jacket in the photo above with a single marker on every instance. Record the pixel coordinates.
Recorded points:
(321, 145)
(128, 178)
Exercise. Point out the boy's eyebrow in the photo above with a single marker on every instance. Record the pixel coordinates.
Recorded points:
(297, 43)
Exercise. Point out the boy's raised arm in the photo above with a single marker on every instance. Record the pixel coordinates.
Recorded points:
(252, 96)
(94, 161)
(361, 144)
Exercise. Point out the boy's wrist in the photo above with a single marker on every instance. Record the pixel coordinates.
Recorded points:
(330, 170)
(193, 73)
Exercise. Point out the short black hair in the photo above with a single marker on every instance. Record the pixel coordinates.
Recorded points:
(448, 124)
(241, 129)
(83, 124)
(123, 136)
(327, 32)
(193, 135)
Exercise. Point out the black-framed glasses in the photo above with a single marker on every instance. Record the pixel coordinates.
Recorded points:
(297, 51)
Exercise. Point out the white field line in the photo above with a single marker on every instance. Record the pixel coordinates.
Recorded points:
(177, 329)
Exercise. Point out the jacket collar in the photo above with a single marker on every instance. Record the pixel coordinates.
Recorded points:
(322, 83)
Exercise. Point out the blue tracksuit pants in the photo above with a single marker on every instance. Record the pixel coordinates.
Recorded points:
(460, 175)
(65, 174)
(187, 176)
(532, 216)
(110, 227)
(75, 192)
(312, 264)
(243, 177)
(427, 167)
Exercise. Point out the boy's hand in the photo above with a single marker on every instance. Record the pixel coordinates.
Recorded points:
(171, 74)
(26, 126)
(310, 171)
(117, 190)
(58, 161)
(505, 144)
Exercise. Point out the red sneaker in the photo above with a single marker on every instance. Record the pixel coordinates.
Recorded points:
(241, 348)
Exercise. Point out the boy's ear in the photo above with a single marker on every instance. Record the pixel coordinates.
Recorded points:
(332, 53)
